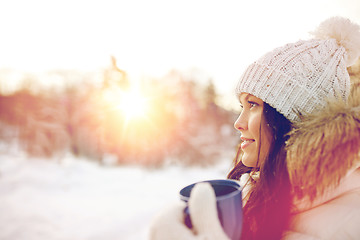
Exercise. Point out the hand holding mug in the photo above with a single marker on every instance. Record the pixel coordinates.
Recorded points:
(228, 201)
(205, 222)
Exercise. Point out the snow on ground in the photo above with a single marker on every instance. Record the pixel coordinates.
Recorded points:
(77, 199)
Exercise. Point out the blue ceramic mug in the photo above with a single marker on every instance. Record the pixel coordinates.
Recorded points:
(229, 205)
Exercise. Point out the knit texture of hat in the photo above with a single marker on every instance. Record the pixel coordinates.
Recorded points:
(300, 77)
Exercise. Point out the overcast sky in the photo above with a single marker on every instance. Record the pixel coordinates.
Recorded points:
(151, 37)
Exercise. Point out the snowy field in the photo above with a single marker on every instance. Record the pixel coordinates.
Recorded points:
(77, 199)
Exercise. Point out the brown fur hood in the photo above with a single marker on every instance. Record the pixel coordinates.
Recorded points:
(324, 147)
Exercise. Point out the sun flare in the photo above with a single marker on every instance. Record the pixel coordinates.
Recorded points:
(133, 104)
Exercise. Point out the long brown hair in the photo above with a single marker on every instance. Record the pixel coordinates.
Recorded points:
(267, 210)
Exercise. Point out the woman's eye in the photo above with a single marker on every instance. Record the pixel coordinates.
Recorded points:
(248, 105)
(253, 104)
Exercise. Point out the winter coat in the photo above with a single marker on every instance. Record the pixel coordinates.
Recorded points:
(336, 216)
(323, 158)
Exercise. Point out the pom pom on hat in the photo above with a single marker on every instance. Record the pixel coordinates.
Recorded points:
(346, 33)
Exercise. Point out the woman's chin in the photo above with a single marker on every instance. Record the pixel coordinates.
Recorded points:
(248, 161)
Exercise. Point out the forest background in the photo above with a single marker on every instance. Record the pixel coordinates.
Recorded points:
(118, 121)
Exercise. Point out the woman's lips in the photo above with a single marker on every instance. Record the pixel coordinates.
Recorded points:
(246, 142)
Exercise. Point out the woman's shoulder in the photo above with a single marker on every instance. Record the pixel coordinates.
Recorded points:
(338, 218)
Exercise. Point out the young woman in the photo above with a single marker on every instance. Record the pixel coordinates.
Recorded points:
(299, 160)
(262, 153)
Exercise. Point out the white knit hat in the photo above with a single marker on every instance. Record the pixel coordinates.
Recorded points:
(300, 77)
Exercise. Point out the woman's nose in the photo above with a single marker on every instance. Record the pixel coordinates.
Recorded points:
(240, 123)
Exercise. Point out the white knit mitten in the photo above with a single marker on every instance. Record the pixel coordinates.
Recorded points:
(169, 224)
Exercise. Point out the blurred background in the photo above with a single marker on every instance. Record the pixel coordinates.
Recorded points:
(108, 108)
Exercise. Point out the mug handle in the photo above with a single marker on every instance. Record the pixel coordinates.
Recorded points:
(187, 219)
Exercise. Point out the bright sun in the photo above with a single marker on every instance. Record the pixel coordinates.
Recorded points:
(133, 104)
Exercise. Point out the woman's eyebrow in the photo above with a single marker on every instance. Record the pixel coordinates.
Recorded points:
(252, 99)
(244, 98)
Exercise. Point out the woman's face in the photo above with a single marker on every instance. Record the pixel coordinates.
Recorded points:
(256, 135)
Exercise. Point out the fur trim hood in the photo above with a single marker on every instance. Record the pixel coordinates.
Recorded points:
(323, 147)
